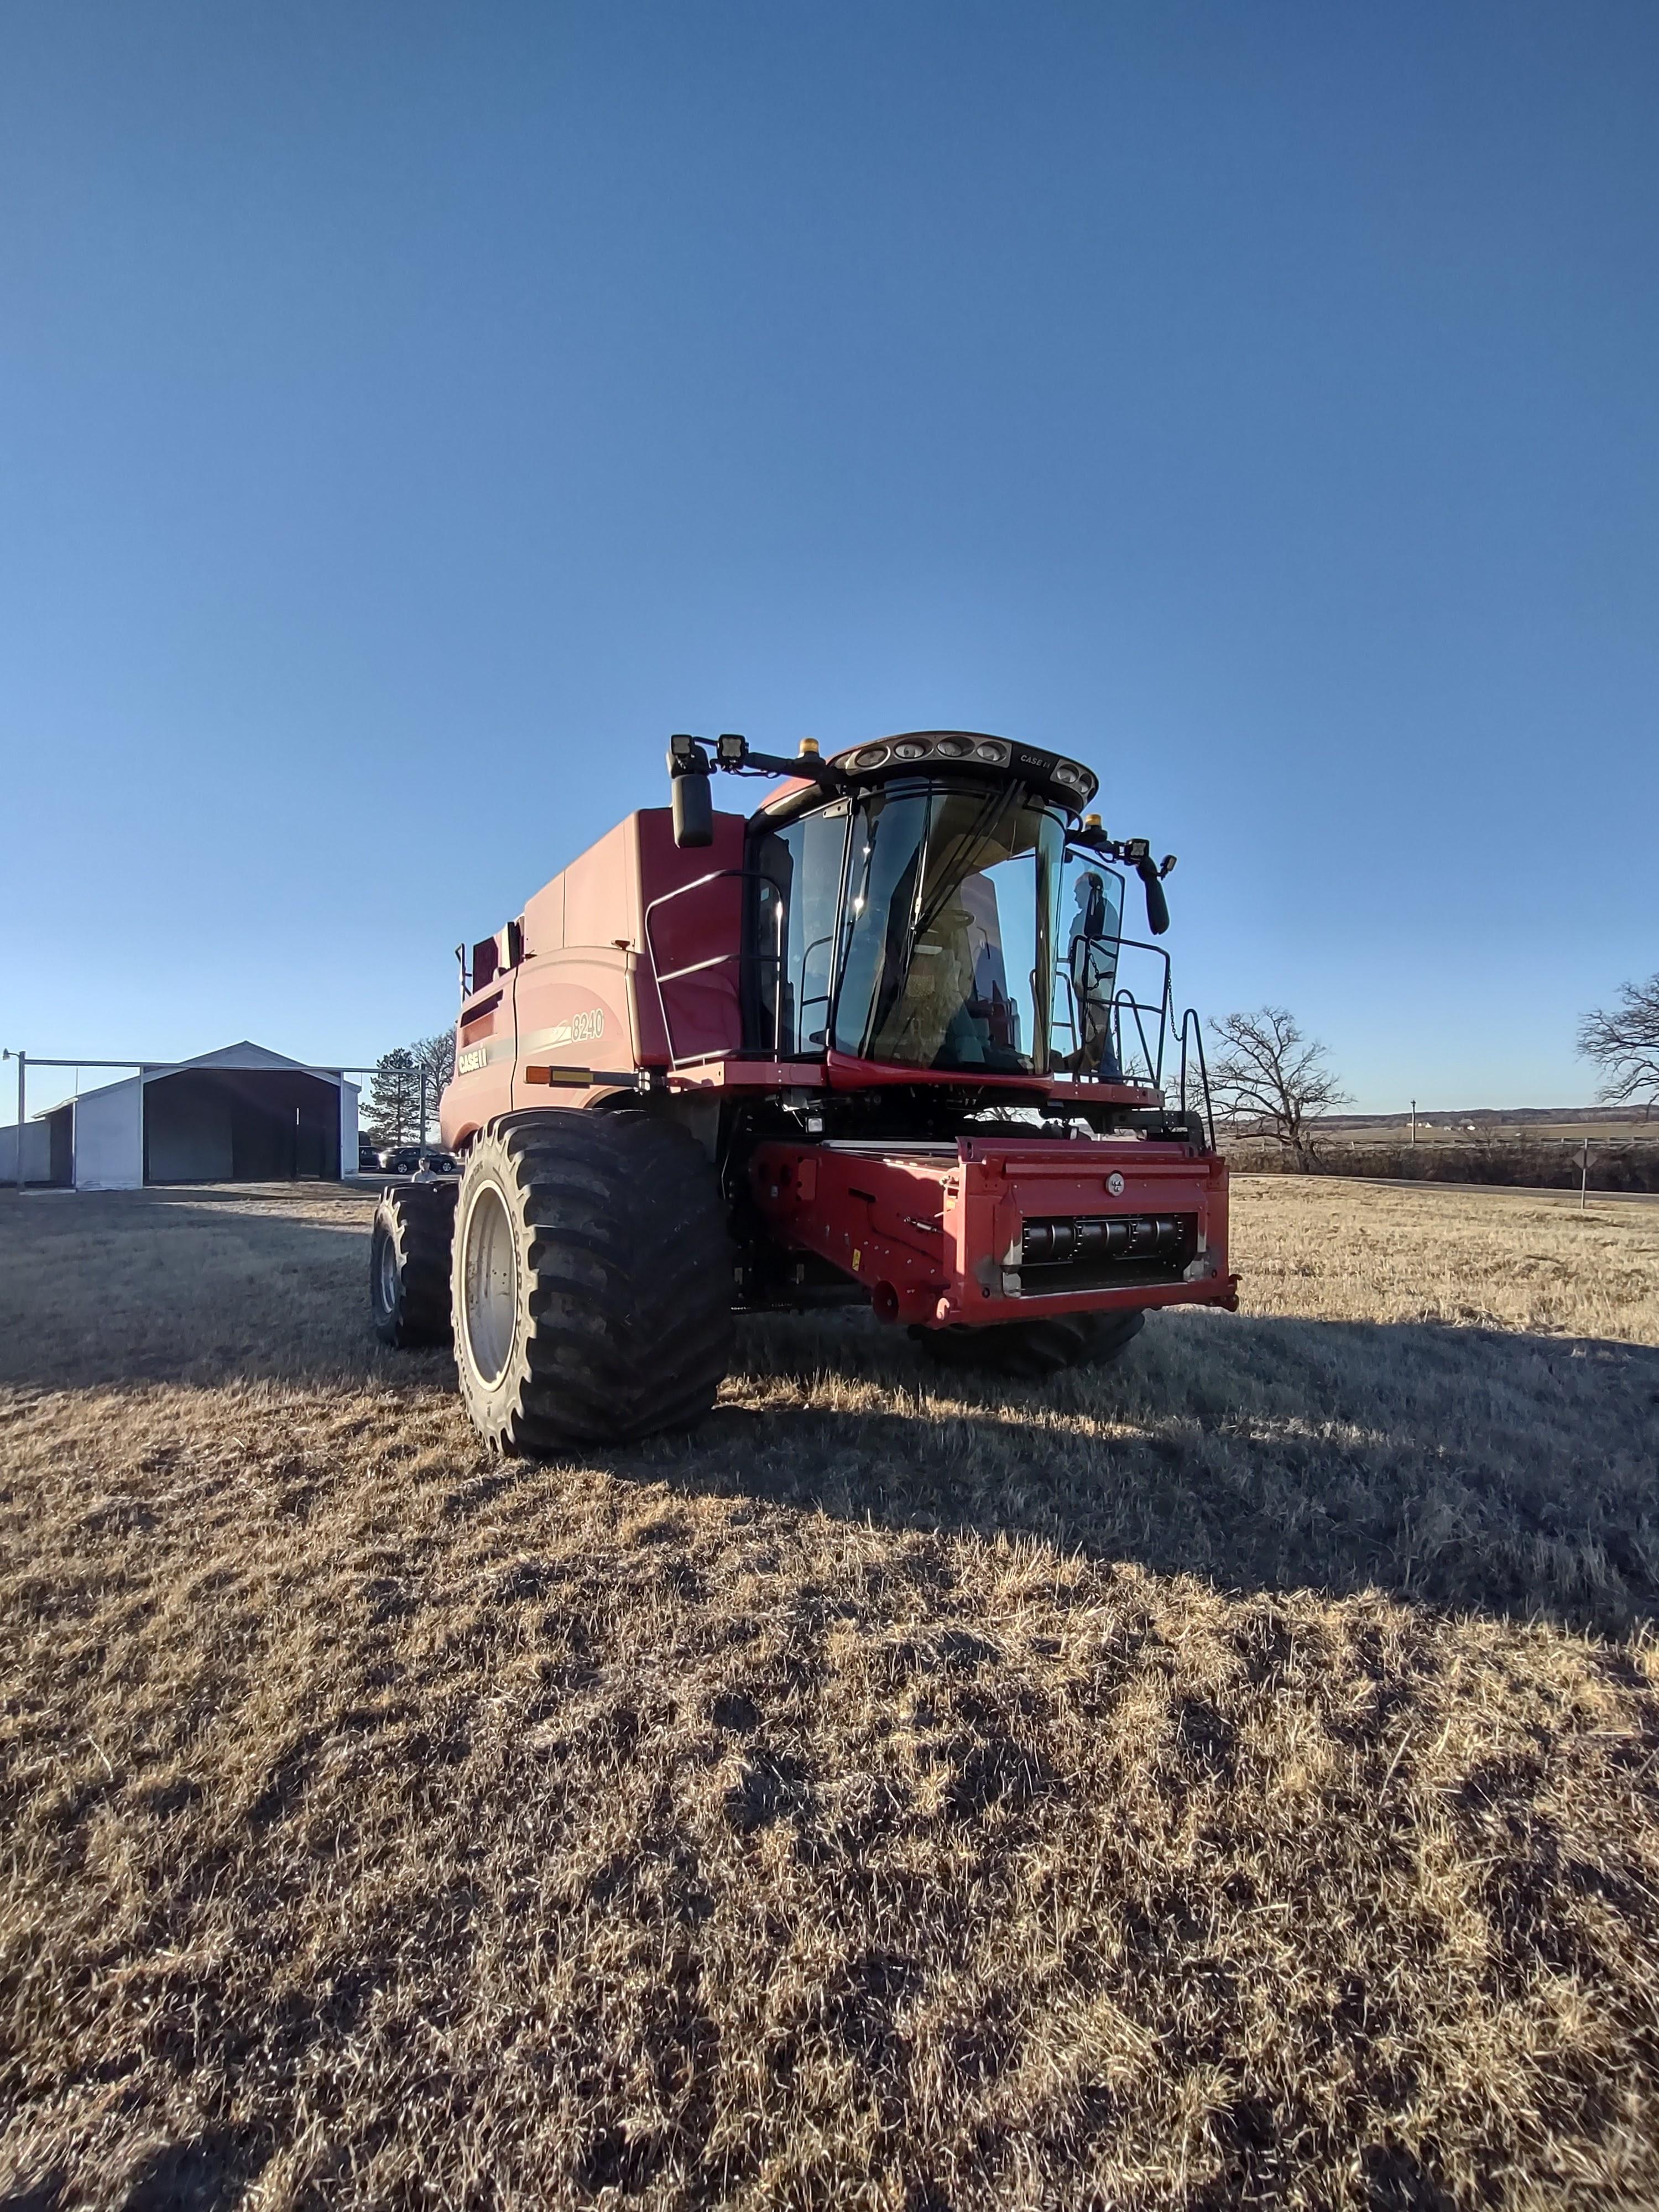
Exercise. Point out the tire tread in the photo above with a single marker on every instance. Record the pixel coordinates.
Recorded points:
(419, 1219)
(627, 1301)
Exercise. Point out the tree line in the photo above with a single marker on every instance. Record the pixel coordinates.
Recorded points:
(1270, 1081)
(407, 1080)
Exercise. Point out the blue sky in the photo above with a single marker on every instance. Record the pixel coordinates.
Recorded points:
(409, 415)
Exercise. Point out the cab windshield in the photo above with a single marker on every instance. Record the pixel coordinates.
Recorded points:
(948, 929)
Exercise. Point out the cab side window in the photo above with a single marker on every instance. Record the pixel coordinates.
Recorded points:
(795, 901)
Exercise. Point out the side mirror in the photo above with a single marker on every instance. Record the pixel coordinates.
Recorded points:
(1158, 907)
(694, 809)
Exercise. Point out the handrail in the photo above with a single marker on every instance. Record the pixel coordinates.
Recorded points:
(1191, 1017)
(1068, 1020)
(807, 999)
(1154, 1063)
(1162, 1008)
(1194, 1066)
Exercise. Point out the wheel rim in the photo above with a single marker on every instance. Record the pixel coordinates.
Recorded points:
(489, 1286)
(388, 1275)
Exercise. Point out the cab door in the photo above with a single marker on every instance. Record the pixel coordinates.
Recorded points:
(796, 874)
(1084, 1023)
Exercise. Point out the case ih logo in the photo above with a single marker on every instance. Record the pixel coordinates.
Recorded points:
(472, 1059)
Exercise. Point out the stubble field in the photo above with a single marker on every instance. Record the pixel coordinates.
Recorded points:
(1227, 1778)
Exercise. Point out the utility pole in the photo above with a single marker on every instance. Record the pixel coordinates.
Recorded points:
(1584, 1180)
(1413, 1120)
(22, 1062)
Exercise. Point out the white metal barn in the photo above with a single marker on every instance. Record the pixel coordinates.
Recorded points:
(241, 1114)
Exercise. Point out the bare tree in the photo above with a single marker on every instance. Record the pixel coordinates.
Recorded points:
(1624, 1043)
(434, 1059)
(1269, 1080)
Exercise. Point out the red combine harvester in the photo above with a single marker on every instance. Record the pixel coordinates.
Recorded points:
(883, 1041)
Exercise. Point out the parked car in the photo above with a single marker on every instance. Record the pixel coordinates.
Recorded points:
(368, 1157)
(400, 1159)
(439, 1162)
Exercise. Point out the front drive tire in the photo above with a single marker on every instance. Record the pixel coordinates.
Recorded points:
(1031, 1351)
(592, 1280)
(409, 1264)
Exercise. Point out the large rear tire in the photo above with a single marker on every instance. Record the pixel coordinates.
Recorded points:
(409, 1264)
(592, 1280)
(1031, 1351)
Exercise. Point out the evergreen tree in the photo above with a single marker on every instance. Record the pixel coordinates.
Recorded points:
(393, 1108)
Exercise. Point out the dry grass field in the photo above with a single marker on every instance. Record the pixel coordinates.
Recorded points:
(1230, 1777)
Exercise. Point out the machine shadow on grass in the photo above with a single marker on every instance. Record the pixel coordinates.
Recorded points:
(1464, 1468)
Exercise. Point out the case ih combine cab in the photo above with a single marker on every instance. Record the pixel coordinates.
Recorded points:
(883, 1042)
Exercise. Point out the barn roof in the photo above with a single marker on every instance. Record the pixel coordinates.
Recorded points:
(246, 1054)
(245, 1057)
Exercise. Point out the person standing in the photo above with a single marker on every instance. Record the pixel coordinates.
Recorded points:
(1091, 963)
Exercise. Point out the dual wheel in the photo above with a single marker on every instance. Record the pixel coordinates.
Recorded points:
(585, 1279)
(583, 1271)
